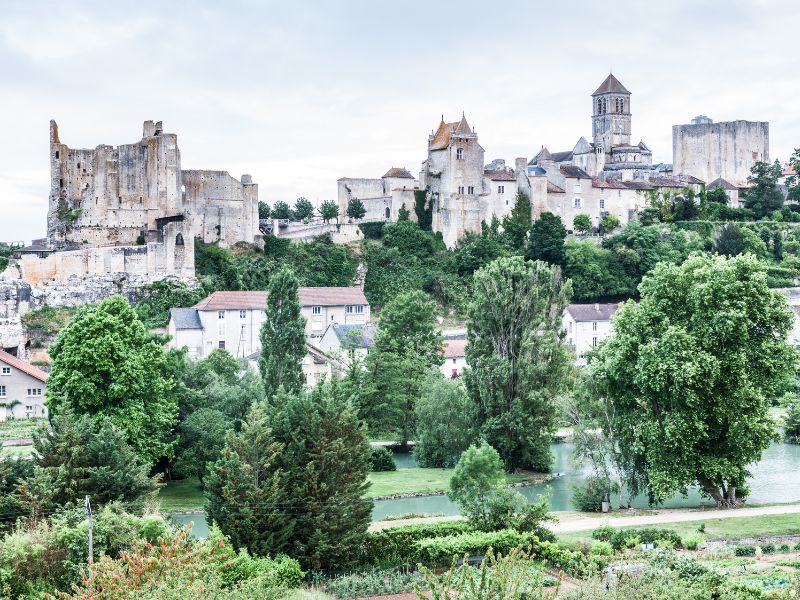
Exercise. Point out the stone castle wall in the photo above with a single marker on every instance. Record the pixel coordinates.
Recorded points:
(727, 149)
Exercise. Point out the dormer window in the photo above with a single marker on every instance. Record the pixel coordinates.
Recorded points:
(459, 154)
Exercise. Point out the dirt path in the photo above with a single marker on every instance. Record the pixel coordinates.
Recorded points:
(570, 522)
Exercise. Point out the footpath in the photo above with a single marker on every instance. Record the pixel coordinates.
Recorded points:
(569, 522)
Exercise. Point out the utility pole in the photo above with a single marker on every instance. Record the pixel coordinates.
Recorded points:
(91, 538)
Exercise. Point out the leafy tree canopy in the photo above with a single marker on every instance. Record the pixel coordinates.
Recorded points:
(546, 240)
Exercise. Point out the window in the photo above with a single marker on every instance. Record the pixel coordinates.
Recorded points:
(594, 325)
(28, 410)
(501, 189)
(354, 308)
(594, 342)
(57, 154)
(316, 310)
(470, 190)
(61, 183)
(242, 314)
(577, 188)
(220, 314)
(578, 203)
(221, 344)
(6, 371)
(2, 391)
(602, 203)
(461, 189)
(454, 374)
(317, 377)
(459, 154)
(33, 392)
(221, 329)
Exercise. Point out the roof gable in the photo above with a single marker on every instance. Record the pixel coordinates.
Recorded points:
(611, 85)
(399, 173)
(21, 365)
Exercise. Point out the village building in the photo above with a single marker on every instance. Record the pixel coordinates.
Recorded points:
(455, 359)
(22, 389)
(586, 325)
(232, 319)
(342, 339)
(317, 366)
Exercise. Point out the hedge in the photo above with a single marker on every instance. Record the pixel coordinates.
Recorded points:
(646, 535)
(396, 545)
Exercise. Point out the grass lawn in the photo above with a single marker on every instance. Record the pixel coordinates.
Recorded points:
(719, 528)
(407, 481)
(181, 496)
(17, 451)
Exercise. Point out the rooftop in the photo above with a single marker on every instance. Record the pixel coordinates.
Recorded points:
(354, 336)
(25, 367)
(501, 175)
(573, 171)
(441, 139)
(592, 312)
(398, 172)
(454, 348)
(185, 318)
(309, 296)
(611, 85)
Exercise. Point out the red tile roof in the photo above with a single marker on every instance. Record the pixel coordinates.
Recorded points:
(13, 361)
(309, 296)
(454, 348)
(552, 188)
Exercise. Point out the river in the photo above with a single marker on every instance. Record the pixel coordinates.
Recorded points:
(775, 479)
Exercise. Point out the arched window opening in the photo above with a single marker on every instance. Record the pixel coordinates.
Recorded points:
(179, 239)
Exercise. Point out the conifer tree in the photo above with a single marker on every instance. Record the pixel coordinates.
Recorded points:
(546, 241)
(283, 338)
(517, 224)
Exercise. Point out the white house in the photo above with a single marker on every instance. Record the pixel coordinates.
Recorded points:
(22, 389)
(587, 325)
(317, 366)
(340, 338)
(455, 360)
(232, 319)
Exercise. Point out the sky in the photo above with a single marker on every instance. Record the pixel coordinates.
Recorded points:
(299, 94)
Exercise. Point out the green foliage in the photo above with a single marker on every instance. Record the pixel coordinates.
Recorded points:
(263, 210)
(79, 456)
(744, 550)
(283, 338)
(106, 364)
(395, 546)
(602, 549)
(609, 222)
(281, 210)
(202, 437)
(372, 231)
(403, 214)
(443, 550)
(445, 418)
(13, 472)
(50, 320)
(66, 214)
(546, 240)
(603, 533)
(517, 224)
(588, 496)
(682, 404)
(355, 209)
(595, 272)
(791, 424)
(329, 210)
(158, 297)
(518, 363)
(763, 196)
(730, 241)
(372, 583)
(381, 459)
(646, 535)
(303, 209)
(768, 548)
(692, 541)
(423, 208)
(582, 222)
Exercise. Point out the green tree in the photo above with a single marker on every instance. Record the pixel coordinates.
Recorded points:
(717, 195)
(283, 337)
(546, 240)
(763, 196)
(13, 472)
(730, 241)
(518, 363)
(243, 489)
(303, 209)
(329, 210)
(793, 181)
(609, 222)
(791, 424)
(517, 224)
(158, 297)
(690, 372)
(403, 214)
(406, 346)
(325, 462)
(446, 425)
(263, 210)
(582, 223)
(355, 209)
(78, 456)
(281, 210)
(106, 364)
(202, 437)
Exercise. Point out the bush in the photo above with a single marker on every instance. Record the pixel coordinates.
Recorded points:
(744, 550)
(395, 546)
(647, 535)
(372, 231)
(797, 546)
(691, 542)
(588, 496)
(601, 549)
(372, 583)
(784, 548)
(441, 551)
(381, 459)
(768, 548)
(603, 533)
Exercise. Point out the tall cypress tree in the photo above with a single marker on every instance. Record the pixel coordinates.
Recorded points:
(283, 336)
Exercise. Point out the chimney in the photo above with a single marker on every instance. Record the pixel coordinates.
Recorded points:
(597, 307)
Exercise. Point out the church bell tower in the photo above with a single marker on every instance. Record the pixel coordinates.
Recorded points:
(611, 114)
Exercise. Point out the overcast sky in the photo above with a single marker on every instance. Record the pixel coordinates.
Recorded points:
(301, 93)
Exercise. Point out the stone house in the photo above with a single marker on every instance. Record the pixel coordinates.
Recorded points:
(22, 389)
(382, 198)
(586, 325)
(340, 338)
(731, 189)
(232, 319)
(317, 366)
(455, 360)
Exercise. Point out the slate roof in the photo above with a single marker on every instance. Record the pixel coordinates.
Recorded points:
(185, 318)
(592, 312)
(454, 348)
(354, 336)
(398, 172)
(724, 183)
(552, 188)
(561, 156)
(611, 85)
(21, 365)
(317, 355)
(501, 175)
(543, 154)
(573, 171)
(309, 296)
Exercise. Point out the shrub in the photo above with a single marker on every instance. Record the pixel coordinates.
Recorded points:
(381, 459)
(372, 583)
(744, 550)
(601, 549)
(691, 542)
(797, 546)
(441, 551)
(784, 548)
(768, 548)
(589, 495)
(646, 535)
(603, 533)
(395, 546)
